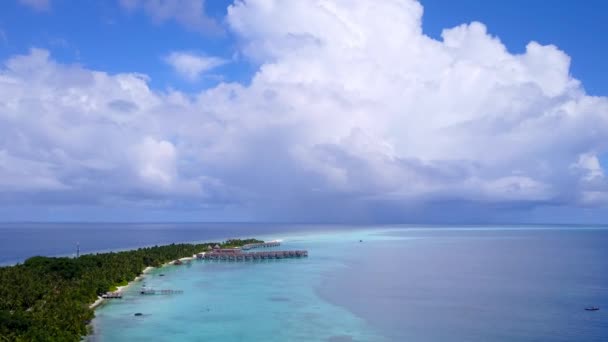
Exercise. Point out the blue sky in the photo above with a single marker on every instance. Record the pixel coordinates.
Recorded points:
(101, 35)
(153, 110)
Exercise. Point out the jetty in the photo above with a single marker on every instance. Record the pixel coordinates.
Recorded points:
(261, 245)
(149, 291)
(238, 255)
(112, 295)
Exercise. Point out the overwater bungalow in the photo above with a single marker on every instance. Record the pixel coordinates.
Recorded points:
(231, 254)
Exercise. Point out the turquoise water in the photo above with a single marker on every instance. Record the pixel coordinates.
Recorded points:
(428, 284)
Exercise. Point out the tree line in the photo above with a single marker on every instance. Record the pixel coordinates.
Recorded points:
(48, 298)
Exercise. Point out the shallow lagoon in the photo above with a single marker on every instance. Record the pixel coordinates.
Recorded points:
(427, 284)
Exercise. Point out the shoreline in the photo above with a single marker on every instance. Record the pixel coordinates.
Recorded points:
(70, 290)
(100, 300)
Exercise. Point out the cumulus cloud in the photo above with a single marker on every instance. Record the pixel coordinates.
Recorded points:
(592, 181)
(192, 65)
(70, 129)
(38, 5)
(353, 113)
(155, 162)
(188, 13)
(589, 164)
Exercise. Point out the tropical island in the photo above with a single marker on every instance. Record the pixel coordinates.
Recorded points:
(50, 298)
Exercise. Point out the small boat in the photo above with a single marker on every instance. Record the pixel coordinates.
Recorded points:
(592, 308)
(161, 275)
(138, 314)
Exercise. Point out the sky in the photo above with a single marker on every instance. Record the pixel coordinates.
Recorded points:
(304, 111)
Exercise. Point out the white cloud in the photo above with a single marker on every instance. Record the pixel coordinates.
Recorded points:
(352, 107)
(595, 198)
(188, 13)
(589, 164)
(592, 182)
(192, 65)
(155, 162)
(38, 5)
(19, 175)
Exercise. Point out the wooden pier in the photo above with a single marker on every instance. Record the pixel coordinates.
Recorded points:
(261, 245)
(237, 255)
(112, 295)
(148, 291)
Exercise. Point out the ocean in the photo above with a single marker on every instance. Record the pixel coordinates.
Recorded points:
(19, 241)
(359, 283)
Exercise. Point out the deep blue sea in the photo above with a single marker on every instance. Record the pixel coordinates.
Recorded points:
(19, 241)
(401, 283)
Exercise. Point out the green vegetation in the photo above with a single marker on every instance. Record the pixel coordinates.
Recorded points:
(47, 299)
(115, 286)
(233, 243)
